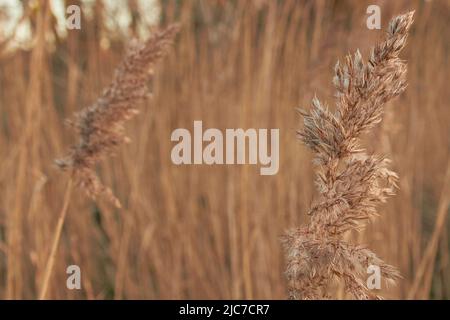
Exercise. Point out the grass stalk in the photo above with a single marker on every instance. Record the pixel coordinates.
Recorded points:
(56, 238)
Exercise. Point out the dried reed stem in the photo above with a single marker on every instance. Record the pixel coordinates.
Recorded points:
(56, 237)
(424, 272)
(350, 182)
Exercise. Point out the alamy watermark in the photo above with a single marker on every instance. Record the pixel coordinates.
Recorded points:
(374, 280)
(241, 146)
(73, 18)
(74, 279)
(374, 20)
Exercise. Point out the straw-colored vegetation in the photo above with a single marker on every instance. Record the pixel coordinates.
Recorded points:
(213, 231)
(351, 183)
(101, 126)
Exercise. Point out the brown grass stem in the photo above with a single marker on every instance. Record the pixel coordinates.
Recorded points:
(427, 262)
(56, 238)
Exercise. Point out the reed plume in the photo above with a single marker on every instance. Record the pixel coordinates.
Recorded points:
(101, 125)
(350, 182)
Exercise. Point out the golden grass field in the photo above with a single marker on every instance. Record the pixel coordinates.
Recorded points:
(213, 232)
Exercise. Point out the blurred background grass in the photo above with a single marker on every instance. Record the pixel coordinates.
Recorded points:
(209, 231)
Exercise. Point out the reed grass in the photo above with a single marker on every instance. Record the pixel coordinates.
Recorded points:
(211, 232)
(101, 126)
(350, 182)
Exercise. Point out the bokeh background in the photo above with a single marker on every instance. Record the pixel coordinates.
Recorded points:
(209, 232)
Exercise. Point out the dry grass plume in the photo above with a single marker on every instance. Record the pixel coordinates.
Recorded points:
(350, 182)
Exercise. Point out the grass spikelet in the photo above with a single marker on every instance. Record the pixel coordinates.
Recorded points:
(101, 125)
(350, 182)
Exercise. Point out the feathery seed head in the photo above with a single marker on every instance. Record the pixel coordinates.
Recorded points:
(101, 125)
(350, 183)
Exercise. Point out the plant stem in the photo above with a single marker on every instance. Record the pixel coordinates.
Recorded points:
(57, 236)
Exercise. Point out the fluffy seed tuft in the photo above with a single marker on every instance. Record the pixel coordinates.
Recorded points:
(350, 183)
(101, 125)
